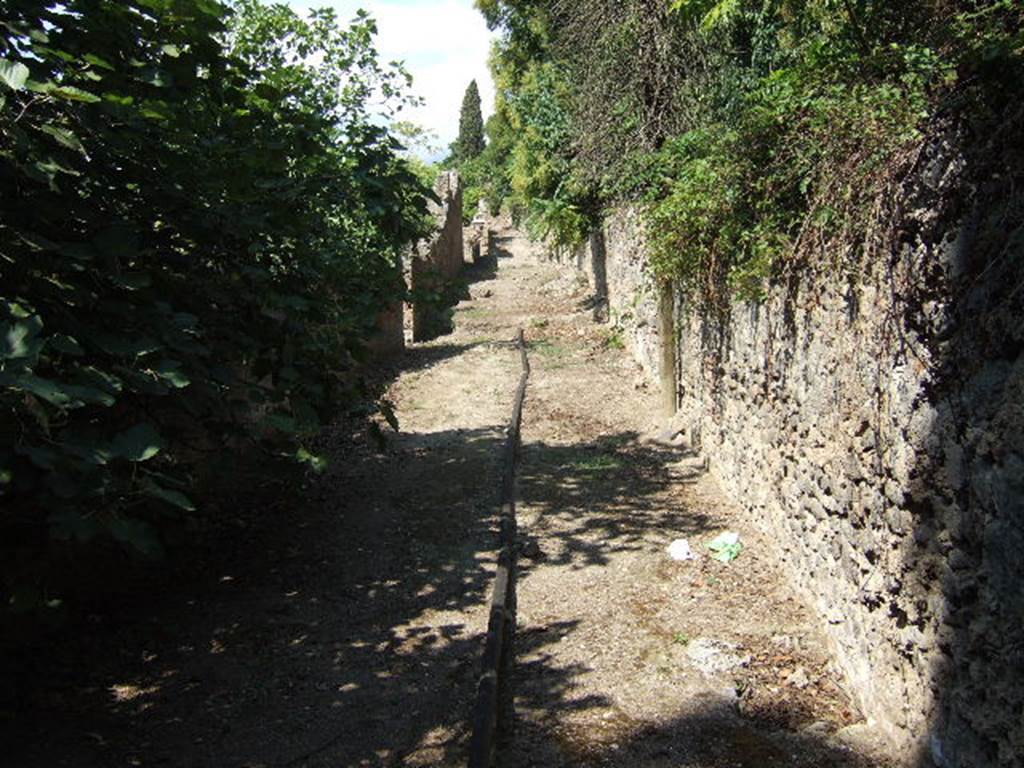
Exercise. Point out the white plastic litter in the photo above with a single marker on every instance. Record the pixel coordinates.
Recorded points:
(680, 550)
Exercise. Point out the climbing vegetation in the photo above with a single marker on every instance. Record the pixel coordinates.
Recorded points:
(201, 219)
(753, 132)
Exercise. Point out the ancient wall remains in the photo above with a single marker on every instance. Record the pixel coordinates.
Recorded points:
(477, 236)
(614, 261)
(435, 263)
(870, 417)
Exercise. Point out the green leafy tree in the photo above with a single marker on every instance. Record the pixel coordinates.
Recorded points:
(753, 131)
(470, 142)
(198, 227)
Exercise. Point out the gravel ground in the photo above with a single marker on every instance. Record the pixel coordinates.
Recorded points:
(347, 630)
(625, 656)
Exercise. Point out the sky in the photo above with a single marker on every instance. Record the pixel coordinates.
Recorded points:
(443, 43)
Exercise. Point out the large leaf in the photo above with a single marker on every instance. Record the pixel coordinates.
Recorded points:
(20, 338)
(93, 377)
(14, 74)
(138, 534)
(140, 443)
(170, 372)
(64, 137)
(51, 391)
(90, 451)
(71, 93)
(87, 394)
(174, 498)
(98, 61)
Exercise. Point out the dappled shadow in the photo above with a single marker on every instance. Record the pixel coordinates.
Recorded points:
(607, 494)
(963, 568)
(555, 726)
(501, 246)
(483, 269)
(349, 634)
(581, 505)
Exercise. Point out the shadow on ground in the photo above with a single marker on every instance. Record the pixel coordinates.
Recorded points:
(502, 246)
(486, 268)
(342, 636)
(712, 735)
(611, 495)
(608, 491)
(351, 634)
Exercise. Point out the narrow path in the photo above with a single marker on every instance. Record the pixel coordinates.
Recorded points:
(349, 633)
(624, 656)
(345, 631)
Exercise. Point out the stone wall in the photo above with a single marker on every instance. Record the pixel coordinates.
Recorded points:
(435, 264)
(614, 260)
(874, 426)
(477, 236)
(870, 417)
(476, 239)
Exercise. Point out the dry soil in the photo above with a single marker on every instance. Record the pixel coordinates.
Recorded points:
(351, 633)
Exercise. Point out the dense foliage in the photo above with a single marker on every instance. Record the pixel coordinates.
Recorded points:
(470, 142)
(198, 228)
(752, 131)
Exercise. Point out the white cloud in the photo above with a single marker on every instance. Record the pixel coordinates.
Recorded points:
(444, 44)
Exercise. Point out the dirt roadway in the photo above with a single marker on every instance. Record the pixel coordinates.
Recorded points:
(353, 638)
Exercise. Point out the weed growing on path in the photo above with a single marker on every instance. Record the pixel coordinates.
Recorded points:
(554, 355)
(599, 463)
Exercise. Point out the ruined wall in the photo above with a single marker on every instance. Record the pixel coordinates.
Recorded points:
(436, 262)
(870, 417)
(477, 235)
(614, 260)
(477, 239)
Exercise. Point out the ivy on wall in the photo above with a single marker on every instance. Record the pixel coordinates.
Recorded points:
(750, 130)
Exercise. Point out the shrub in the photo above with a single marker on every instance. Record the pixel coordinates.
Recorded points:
(194, 241)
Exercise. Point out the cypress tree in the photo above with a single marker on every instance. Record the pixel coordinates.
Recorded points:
(471, 126)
